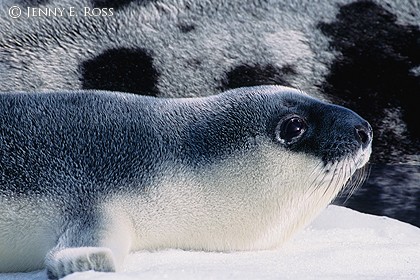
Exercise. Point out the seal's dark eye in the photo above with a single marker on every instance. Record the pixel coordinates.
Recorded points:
(291, 129)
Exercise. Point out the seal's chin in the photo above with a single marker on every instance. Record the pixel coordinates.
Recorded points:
(348, 173)
(362, 157)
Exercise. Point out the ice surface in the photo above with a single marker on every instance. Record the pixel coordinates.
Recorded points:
(339, 244)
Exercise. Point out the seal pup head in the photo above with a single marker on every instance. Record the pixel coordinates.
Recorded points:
(261, 162)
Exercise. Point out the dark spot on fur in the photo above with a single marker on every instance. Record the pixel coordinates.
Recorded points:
(115, 4)
(374, 71)
(185, 28)
(128, 70)
(253, 75)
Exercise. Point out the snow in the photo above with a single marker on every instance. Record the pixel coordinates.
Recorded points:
(339, 244)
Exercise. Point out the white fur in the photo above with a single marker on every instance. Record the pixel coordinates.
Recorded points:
(249, 202)
(27, 232)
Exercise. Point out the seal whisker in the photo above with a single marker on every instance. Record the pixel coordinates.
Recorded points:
(322, 183)
(358, 178)
(362, 176)
(336, 175)
(319, 180)
(355, 179)
(315, 174)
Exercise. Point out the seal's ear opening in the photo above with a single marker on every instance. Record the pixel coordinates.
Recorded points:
(290, 129)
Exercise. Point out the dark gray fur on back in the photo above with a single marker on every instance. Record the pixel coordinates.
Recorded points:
(103, 142)
(80, 139)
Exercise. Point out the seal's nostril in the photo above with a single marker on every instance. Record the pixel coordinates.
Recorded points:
(363, 134)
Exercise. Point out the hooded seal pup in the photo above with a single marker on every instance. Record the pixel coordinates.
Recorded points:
(88, 176)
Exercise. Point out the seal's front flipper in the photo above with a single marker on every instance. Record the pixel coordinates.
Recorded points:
(96, 242)
(61, 262)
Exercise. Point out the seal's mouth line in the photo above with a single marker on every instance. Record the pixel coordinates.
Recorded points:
(347, 173)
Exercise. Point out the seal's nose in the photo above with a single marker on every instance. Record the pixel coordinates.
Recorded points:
(364, 134)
